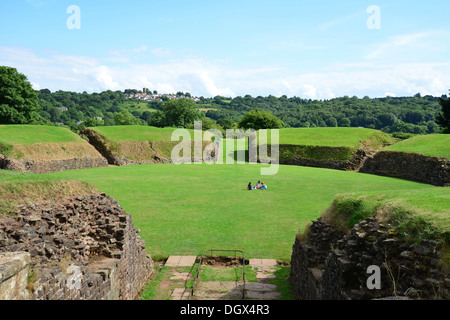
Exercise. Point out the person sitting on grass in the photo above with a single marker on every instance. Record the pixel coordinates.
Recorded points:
(250, 186)
(258, 185)
(263, 186)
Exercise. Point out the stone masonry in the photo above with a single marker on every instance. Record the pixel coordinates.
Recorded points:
(85, 247)
(330, 265)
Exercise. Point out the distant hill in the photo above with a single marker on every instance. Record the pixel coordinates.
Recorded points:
(415, 114)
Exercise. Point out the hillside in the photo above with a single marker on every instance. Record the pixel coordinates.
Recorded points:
(437, 145)
(401, 114)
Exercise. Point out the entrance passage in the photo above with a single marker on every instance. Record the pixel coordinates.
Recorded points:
(222, 275)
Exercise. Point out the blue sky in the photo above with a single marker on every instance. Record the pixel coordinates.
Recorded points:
(310, 49)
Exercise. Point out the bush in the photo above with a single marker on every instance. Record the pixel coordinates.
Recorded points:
(402, 135)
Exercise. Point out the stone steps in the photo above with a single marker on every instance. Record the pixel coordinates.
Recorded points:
(225, 290)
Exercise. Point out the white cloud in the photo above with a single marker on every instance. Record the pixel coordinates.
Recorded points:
(399, 43)
(161, 52)
(211, 78)
(141, 49)
(339, 21)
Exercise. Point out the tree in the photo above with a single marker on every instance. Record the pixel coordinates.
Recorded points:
(90, 122)
(157, 119)
(443, 118)
(18, 100)
(125, 118)
(180, 113)
(257, 119)
(227, 123)
(344, 122)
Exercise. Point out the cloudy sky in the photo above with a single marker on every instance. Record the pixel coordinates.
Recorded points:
(310, 49)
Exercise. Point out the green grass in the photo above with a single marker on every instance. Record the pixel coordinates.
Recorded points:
(333, 137)
(185, 209)
(188, 208)
(429, 145)
(209, 273)
(415, 214)
(28, 134)
(135, 133)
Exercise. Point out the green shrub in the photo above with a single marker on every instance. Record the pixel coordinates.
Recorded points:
(402, 135)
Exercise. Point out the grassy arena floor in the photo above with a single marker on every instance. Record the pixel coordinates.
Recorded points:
(184, 209)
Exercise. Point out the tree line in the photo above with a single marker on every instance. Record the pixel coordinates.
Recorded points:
(19, 103)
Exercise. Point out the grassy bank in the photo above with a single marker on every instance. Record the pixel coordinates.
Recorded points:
(437, 145)
(335, 137)
(336, 144)
(17, 188)
(43, 143)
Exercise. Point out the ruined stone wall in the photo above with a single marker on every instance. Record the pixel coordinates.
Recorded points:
(85, 247)
(354, 163)
(26, 165)
(330, 265)
(410, 166)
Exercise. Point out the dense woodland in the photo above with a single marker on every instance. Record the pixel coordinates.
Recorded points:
(415, 114)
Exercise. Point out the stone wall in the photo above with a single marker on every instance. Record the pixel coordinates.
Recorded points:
(410, 166)
(331, 265)
(338, 158)
(125, 153)
(352, 164)
(26, 165)
(84, 247)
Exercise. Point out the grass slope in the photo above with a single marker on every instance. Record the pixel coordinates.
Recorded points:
(430, 145)
(135, 133)
(132, 141)
(43, 143)
(334, 137)
(28, 134)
